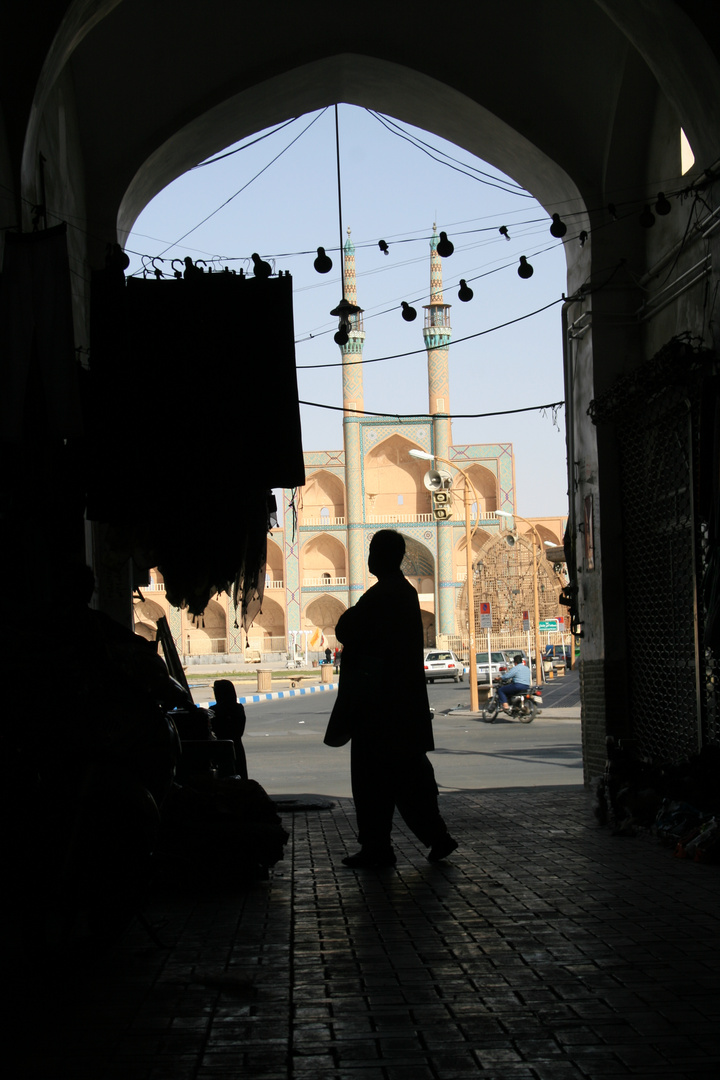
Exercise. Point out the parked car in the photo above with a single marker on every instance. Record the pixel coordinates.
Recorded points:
(557, 655)
(498, 666)
(510, 655)
(442, 664)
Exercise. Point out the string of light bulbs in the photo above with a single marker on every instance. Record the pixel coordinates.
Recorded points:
(553, 405)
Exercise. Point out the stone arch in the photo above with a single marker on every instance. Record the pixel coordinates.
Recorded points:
(323, 557)
(208, 632)
(485, 483)
(543, 531)
(274, 565)
(323, 491)
(145, 617)
(323, 612)
(268, 624)
(394, 481)
(419, 562)
(428, 621)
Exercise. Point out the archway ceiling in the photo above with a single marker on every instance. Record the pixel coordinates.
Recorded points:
(418, 561)
(159, 88)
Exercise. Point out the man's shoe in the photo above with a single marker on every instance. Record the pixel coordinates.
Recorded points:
(370, 859)
(442, 848)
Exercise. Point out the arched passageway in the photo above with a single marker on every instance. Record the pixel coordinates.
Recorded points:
(631, 290)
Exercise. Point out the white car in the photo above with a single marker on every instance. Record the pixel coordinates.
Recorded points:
(442, 664)
(498, 665)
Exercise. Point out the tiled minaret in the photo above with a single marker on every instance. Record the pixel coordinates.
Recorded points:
(437, 333)
(353, 405)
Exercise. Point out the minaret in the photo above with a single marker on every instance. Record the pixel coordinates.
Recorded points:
(353, 405)
(437, 333)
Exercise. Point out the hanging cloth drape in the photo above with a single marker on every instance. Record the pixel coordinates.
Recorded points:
(195, 417)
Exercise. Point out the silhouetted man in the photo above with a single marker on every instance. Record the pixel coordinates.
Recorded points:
(382, 706)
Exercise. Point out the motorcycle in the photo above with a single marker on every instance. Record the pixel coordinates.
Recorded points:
(523, 707)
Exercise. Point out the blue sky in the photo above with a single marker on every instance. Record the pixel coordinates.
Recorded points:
(394, 191)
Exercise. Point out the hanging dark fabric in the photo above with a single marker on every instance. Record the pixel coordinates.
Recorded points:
(186, 446)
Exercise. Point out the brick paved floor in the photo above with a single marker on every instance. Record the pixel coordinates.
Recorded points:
(544, 948)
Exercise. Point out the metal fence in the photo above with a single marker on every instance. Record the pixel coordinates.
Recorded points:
(671, 687)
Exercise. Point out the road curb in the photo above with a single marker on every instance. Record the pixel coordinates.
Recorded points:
(276, 695)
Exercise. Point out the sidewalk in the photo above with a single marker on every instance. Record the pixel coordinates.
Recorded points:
(544, 948)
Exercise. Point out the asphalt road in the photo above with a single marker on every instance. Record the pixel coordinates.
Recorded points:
(286, 754)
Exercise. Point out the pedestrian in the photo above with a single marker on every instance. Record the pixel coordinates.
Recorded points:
(382, 709)
(328, 656)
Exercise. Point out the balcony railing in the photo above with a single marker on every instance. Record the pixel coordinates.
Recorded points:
(395, 519)
(324, 581)
(274, 583)
(388, 519)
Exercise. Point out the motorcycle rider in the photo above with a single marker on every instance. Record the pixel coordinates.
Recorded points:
(515, 681)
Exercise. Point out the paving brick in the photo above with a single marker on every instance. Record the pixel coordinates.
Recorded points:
(543, 948)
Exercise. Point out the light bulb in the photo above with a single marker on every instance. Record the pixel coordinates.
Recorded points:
(445, 247)
(465, 293)
(558, 227)
(647, 218)
(323, 263)
(408, 313)
(525, 270)
(261, 269)
(662, 206)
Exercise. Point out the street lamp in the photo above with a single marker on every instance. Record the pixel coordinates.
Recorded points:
(538, 657)
(472, 662)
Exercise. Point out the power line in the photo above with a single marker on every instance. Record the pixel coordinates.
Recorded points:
(429, 416)
(416, 352)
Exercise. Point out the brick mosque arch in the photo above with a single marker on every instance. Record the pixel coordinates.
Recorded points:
(145, 617)
(393, 480)
(323, 557)
(268, 624)
(322, 496)
(419, 561)
(207, 633)
(275, 561)
(323, 612)
(485, 483)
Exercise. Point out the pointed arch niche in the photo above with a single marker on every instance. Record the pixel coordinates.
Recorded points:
(274, 566)
(485, 483)
(322, 500)
(323, 612)
(393, 482)
(145, 616)
(208, 633)
(323, 560)
(544, 532)
(268, 629)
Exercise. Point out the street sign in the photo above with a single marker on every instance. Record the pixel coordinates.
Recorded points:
(526, 621)
(485, 615)
(549, 624)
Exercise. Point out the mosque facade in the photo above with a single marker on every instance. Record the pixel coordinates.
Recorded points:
(317, 559)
